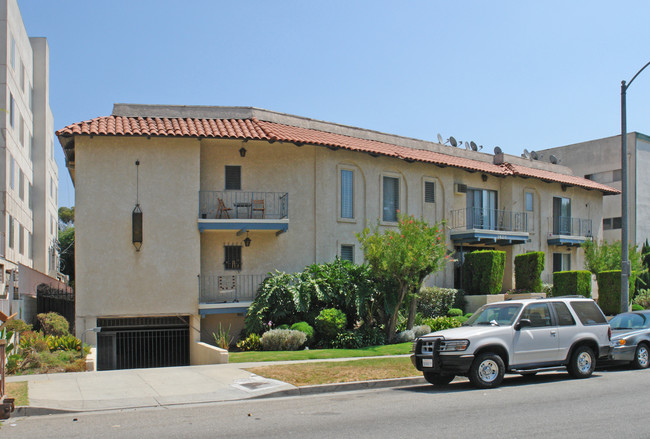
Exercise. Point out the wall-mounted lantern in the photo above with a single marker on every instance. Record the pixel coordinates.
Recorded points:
(136, 215)
(242, 151)
(247, 241)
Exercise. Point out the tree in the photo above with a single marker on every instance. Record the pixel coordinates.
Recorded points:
(66, 215)
(403, 258)
(605, 257)
(66, 246)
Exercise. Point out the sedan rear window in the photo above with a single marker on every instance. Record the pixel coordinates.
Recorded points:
(588, 312)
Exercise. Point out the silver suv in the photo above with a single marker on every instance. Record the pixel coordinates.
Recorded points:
(517, 336)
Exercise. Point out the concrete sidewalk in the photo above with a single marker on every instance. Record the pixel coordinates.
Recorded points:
(134, 388)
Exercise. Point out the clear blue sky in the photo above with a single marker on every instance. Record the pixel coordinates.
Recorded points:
(517, 74)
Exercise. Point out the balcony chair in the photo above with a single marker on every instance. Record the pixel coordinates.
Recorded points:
(258, 206)
(228, 286)
(223, 210)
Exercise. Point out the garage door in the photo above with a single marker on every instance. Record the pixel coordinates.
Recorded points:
(138, 342)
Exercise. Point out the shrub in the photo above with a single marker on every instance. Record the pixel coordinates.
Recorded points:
(436, 302)
(440, 323)
(329, 323)
(421, 330)
(283, 340)
(404, 336)
(572, 283)
(483, 271)
(468, 315)
(461, 319)
(348, 340)
(455, 312)
(285, 326)
(528, 271)
(547, 289)
(636, 307)
(372, 336)
(643, 299)
(53, 324)
(251, 343)
(17, 326)
(222, 338)
(609, 291)
(35, 341)
(304, 327)
(63, 343)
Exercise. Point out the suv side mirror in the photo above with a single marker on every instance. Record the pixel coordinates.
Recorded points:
(522, 323)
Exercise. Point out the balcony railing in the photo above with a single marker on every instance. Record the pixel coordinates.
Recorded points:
(243, 205)
(227, 288)
(569, 226)
(488, 219)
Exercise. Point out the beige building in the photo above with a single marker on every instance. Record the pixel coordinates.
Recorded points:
(600, 161)
(228, 194)
(29, 183)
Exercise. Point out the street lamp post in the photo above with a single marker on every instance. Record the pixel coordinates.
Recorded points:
(625, 262)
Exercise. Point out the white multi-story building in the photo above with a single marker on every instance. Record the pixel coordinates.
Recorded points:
(29, 183)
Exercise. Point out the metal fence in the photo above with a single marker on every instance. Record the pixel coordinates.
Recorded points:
(489, 219)
(238, 204)
(570, 226)
(224, 288)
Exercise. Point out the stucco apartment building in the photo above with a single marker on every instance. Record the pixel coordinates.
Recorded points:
(29, 173)
(181, 212)
(600, 161)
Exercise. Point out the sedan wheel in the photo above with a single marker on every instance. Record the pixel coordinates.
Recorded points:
(641, 357)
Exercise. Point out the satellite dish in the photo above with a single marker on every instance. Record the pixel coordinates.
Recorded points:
(467, 145)
(526, 154)
(553, 159)
(440, 138)
(473, 146)
(453, 141)
(497, 150)
(534, 155)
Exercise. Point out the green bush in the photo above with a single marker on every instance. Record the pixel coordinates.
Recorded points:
(251, 343)
(469, 314)
(348, 340)
(284, 326)
(35, 341)
(547, 289)
(66, 342)
(372, 336)
(455, 312)
(572, 283)
(461, 319)
(304, 327)
(436, 302)
(609, 291)
(528, 271)
(329, 323)
(440, 323)
(636, 307)
(53, 324)
(643, 299)
(283, 340)
(483, 271)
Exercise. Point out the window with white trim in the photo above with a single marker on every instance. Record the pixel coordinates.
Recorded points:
(347, 193)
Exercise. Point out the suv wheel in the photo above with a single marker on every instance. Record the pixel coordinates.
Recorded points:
(582, 363)
(487, 371)
(438, 379)
(641, 357)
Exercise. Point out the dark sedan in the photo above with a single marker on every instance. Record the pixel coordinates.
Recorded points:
(631, 338)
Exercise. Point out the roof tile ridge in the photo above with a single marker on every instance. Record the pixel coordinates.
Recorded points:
(508, 168)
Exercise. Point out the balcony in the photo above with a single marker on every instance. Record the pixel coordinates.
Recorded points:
(569, 231)
(244, 211)
(227, 293)
(476, 225)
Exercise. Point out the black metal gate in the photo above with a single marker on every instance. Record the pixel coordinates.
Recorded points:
(140, 342)
(50, 299)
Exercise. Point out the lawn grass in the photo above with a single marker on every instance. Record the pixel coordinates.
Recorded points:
(18, 391)
(319, 354)
(306, 374)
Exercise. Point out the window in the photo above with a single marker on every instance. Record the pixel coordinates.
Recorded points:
(21, 129)
(31, 97)
(12, 171)
(607, 223)
(232, 259)
(563, 314)
(617, 222)
(588, 312)
(13, 52)
(31, 146)
(11, 109)
(561, 262)
(561, 216)
(429, 192)
(391, 198)
(21, 239)
(30, 246)
(233, 178)
(29, 195)
(21, 184)
(538, 314)
(22, 76)
(51, 187)
(612, 223)
(481, 209)
(347, 193)
(529, 202)
(347, 252)
(11, 232)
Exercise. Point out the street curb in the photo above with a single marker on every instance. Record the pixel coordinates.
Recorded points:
(25, 410)
(344, 387)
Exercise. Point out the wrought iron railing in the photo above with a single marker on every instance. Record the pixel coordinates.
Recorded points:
(570, 226)
(240, 205)
(488, 219)
(226, 288)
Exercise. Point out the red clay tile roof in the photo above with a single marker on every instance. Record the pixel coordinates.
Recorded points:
(271, 131)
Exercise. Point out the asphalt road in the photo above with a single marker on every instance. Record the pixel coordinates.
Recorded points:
(611, 403)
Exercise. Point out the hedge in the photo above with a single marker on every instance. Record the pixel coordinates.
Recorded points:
(483, 271)
(572, 283)
(528, 271)
(609, 291)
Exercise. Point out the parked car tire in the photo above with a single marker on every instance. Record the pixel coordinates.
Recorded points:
(641, 357)
(582, 362)
(438, 379)
(487, 371)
